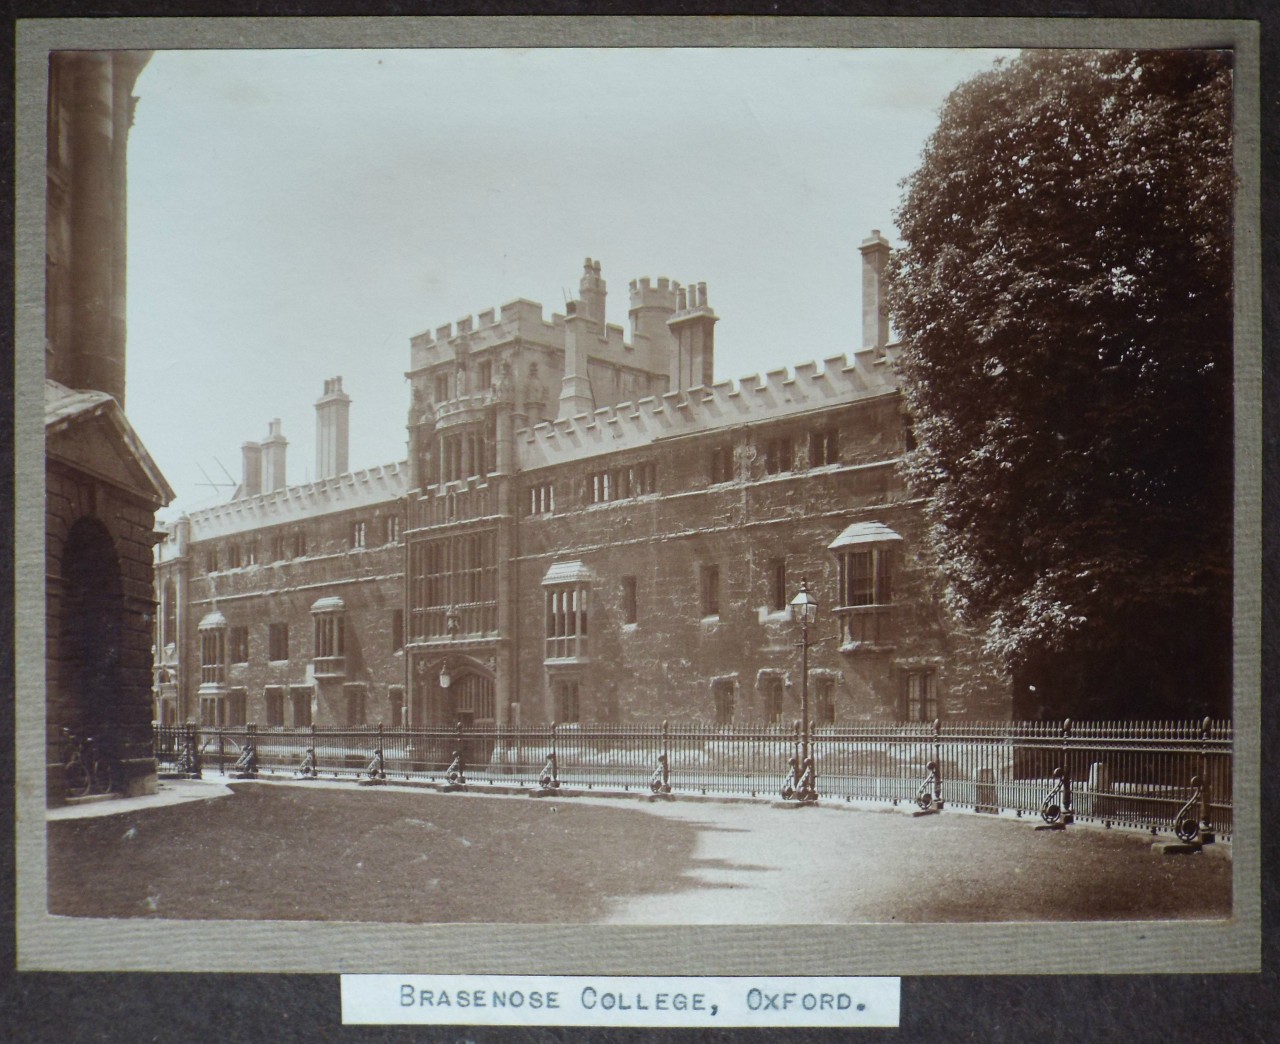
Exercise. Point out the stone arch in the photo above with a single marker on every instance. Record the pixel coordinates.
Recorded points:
(470, 697)
(92, 625)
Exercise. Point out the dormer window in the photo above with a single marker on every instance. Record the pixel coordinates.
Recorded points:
(866, 552)
(568, 589)
(213, 651)
(328, 617)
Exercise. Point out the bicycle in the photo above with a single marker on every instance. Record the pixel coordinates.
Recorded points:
(1056, 807)
(188, 761)
(927, 792)
(87, 770)
(1186, 824)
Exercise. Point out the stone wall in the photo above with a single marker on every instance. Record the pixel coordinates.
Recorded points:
(271, 590)
(120, 712)
(664, 665)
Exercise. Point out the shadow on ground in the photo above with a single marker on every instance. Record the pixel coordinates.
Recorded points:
(286, 852)
(278, 851)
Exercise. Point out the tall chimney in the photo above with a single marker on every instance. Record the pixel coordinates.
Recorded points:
(273, 448)
(332, 430)
(251, 482)
(592, 290)
(875, 319)
(693, 330)
(576, 396)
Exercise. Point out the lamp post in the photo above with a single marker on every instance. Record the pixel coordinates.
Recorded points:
(451, 627)
(804, 610)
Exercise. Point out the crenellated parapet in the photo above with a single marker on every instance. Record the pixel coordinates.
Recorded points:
(646, 294)
(520, 319)
(779, 394)
(355, 489)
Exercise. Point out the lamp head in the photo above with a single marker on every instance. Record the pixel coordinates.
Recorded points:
(804, 607)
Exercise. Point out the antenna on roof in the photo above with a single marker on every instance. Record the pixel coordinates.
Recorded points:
(210, 483)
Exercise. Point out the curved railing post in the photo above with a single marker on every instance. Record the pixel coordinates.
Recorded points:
(1206, 832)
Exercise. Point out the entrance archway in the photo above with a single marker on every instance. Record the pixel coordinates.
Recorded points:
(469, 696)
(92, 626)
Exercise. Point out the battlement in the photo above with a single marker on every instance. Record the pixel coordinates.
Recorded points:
(839, 380)
(516, 319)
(366, 488)
(644, 294)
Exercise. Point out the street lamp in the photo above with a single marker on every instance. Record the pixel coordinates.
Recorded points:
(804, 610)
(451, 621)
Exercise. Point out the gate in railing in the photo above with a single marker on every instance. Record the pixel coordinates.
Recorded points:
(1131, 773)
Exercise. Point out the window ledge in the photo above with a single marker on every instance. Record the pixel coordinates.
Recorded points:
(851, 648)
(330, 666)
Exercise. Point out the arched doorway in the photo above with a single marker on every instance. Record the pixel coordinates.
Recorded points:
(92, 627)
(451, 689)
(473, 702)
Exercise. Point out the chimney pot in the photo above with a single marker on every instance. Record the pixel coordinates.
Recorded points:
(332, 430)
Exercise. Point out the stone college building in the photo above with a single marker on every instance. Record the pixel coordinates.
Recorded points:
(587, 528)
(102, 488)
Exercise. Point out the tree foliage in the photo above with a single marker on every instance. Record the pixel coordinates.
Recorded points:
(1064, 299)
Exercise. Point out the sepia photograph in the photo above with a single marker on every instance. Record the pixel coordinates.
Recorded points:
(488, 491)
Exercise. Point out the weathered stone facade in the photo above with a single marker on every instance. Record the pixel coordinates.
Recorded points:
(102, 487)
(246, 590)
(590, 530)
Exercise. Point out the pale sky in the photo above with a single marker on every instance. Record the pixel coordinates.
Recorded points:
(298, 215)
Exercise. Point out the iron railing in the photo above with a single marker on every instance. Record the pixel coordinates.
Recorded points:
(1122, 773)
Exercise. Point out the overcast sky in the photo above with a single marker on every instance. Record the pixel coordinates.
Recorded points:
(296, 215)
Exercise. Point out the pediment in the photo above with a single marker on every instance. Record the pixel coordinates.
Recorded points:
(99, 441)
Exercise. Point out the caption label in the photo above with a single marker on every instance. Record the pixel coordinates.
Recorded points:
(586, 1000)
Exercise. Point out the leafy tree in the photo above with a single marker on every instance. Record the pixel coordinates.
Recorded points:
(1064, 299)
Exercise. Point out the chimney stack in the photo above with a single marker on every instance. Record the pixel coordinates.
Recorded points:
(576, 396)
(875, 318)
(332, 430)
(592, 290)
(251, 482)
(273, 449)
(693, 332)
